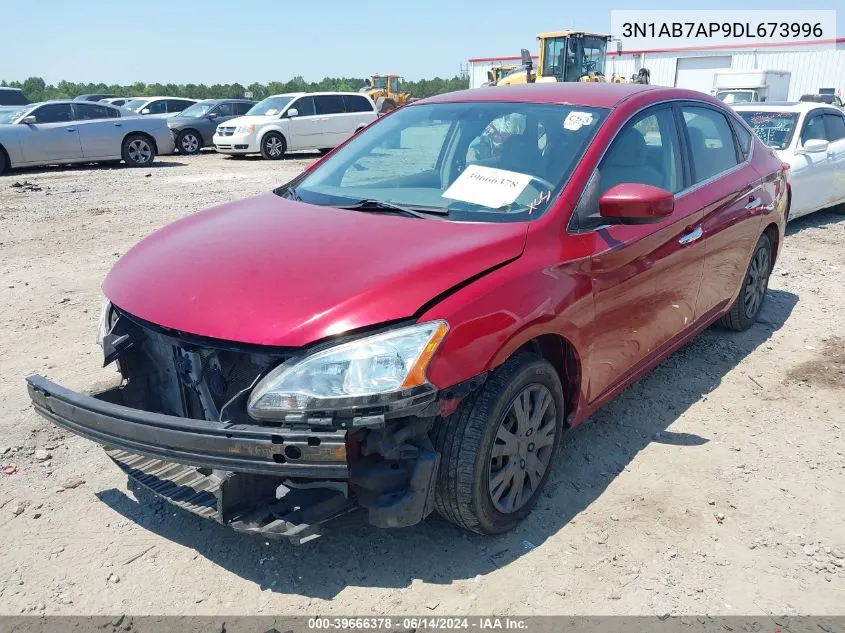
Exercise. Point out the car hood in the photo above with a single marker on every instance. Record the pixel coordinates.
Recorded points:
(271, 271)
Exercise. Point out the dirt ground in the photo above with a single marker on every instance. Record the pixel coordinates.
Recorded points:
(715, 485)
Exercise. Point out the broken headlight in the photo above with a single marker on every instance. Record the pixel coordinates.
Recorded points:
(375, 371)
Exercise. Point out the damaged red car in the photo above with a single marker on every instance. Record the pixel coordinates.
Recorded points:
(411, 324)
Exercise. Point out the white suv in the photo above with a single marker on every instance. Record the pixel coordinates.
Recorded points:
(296, 121)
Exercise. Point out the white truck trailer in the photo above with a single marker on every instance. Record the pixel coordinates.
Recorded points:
(749, 86)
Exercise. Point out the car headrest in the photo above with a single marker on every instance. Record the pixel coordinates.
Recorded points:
(628, 149)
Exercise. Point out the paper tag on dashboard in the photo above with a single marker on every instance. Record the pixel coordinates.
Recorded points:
(487, 186)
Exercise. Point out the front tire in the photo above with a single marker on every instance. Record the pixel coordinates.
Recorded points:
(189, 142)
(745, 310)
(497, 449)
(138, 151)
(4, 165)
(273, 146)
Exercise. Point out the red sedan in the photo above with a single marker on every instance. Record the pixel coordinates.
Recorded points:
(412, 323)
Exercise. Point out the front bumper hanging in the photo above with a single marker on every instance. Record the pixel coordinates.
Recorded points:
(280, 483)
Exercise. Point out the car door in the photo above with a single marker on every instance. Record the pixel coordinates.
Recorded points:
(834, 123)
(333, 122)
(812, 171)
(54, 136)
(304, 129)
(100, 129)
(646, 277)
(730, 194)
(360, 112)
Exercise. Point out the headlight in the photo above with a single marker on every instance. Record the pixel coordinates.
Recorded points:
(376, 373)
(245, 129)
(104, 323)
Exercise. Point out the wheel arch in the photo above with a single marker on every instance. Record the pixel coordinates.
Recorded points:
(771, 231)
(6, 155)
(557, 350)
(269, 130)
(146, 135)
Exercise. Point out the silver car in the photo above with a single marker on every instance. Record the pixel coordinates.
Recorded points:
(60, 132)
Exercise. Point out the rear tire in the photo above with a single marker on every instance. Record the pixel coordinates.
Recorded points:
(138, 151)
(745, 310)
(4, 164)
(273, 146)
(189, 142)
(498, 448)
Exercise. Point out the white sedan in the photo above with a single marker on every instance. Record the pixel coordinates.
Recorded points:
(811, 138)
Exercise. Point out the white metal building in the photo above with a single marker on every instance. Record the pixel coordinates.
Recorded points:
(814, 65)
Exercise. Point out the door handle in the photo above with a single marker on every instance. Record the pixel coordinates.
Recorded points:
(754, 204)
(71, 129)
(692, 236)
(118, 124)
(831, 154)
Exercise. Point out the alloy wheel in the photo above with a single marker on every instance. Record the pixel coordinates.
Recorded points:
(274, 146)
(140, 151)
(522, 450)
(190, 143)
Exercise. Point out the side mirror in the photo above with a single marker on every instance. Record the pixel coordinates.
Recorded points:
(29, 120)
(213, 115)
(635, 203)
(292, 112)
(145, 111)
(814, 146)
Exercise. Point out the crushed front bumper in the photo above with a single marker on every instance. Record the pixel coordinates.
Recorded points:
(280, 483)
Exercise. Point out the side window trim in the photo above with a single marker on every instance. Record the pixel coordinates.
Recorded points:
(828, 115)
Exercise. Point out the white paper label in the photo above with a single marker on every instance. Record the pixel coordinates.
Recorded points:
(487, 186)
(577, 120)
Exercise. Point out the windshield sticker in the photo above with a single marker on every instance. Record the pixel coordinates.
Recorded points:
(487, 186)
(576, 120)
(272, 111)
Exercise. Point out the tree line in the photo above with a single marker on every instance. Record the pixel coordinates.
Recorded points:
(36, 89)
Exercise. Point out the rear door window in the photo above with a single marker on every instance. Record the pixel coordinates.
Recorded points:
(90, 111)
(712, 148)
(242, 108)
(330, 104)
(357, 103)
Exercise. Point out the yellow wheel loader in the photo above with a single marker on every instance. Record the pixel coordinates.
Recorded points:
(570, 56)
(386, 91)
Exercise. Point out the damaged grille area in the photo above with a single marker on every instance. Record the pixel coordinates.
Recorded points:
(175, 375)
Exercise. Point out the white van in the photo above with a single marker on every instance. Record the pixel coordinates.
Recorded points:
(296, 121)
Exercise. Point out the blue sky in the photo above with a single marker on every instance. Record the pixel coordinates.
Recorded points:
(221, 41)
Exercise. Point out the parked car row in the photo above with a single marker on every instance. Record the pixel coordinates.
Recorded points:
(61, 132)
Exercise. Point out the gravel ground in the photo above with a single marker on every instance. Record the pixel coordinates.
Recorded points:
(714, 485)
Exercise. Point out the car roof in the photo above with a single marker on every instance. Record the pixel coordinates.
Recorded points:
(221, 100)
(781, 106)
(598, 94)
(314, 94)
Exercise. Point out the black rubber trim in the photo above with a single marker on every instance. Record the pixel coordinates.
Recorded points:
(237, 448)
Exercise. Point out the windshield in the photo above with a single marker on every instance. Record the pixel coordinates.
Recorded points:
(197, 110)
(775, 129)
(487, 162)
(745, 96)
(269, 106)
(9, 114)
(135, 104)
